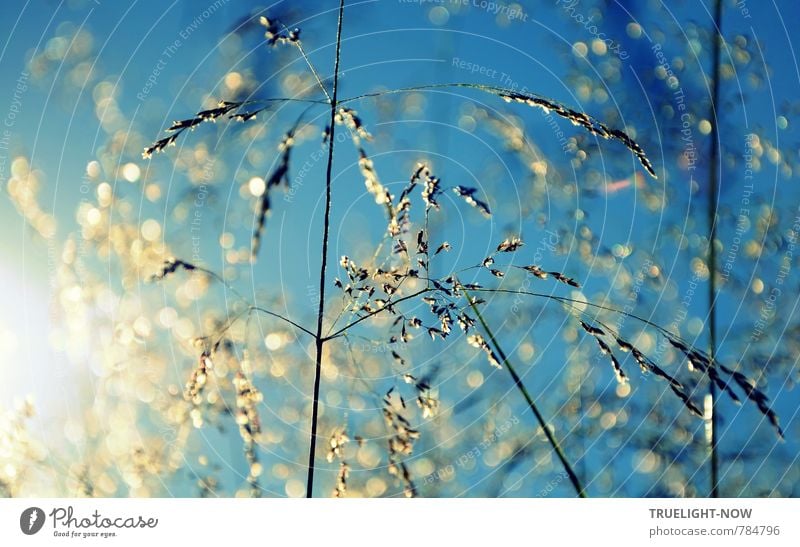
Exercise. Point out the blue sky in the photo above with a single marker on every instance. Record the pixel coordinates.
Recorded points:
(159, 61)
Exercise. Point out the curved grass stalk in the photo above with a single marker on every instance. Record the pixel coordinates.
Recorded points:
(589, 123)
(172, 265)
(574, 303)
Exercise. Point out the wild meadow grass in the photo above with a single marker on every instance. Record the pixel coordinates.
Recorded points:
(411, 357)
(405, 258)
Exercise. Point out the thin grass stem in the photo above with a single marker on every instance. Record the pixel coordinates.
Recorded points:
(713, 183)
(320, 340)
(573, 477)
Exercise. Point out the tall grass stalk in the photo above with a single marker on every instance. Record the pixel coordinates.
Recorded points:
(319, 338)
(713, 182)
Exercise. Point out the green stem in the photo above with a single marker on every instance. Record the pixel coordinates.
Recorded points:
(573, 477)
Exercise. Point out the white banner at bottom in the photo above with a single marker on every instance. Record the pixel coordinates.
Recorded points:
(389, 522)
